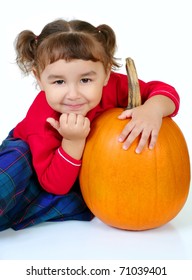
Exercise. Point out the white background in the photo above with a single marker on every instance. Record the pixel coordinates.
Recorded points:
(157, 35)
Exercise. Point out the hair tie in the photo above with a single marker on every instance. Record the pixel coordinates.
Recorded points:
(36, 39)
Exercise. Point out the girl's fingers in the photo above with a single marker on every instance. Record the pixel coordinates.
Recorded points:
(126, 131)
(129, 135)
(125, 114)
(53, 123)
(153, 139)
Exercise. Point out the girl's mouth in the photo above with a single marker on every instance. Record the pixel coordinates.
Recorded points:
(74, 107)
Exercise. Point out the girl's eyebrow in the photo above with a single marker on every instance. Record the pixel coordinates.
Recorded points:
(60, 77)
(55, 77)
(90, 73)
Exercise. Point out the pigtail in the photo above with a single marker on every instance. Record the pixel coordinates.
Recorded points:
(25, 46)
(109, 40)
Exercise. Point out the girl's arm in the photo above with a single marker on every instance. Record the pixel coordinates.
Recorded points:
(158, 100)
(56, 170)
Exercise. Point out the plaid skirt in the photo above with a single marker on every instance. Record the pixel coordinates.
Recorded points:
(23, 202)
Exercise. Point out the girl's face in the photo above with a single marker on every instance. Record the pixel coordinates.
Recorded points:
(73, 87)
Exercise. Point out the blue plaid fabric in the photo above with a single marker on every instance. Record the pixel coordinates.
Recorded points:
(23, 202)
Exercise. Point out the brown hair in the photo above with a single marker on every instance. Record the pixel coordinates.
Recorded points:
(67, 40)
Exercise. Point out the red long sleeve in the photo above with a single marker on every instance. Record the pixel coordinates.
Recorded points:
(56, 170)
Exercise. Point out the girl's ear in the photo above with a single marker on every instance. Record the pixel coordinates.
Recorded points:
(37, 79)
(107, 78)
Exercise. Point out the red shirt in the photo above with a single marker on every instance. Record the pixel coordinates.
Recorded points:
(56, 170)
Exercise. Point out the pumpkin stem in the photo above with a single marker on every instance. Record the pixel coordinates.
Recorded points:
(134, 96)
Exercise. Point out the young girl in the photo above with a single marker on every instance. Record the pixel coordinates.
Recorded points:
(40, 160)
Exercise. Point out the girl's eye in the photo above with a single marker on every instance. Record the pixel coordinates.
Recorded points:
(85, 80)
(59, 82)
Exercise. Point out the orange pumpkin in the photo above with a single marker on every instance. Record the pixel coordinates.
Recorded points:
(134, 191)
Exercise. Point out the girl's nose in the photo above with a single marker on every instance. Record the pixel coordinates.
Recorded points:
(72, 92)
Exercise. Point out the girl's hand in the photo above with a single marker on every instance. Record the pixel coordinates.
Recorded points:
(74, 129)
(71, 126)
(144, 122)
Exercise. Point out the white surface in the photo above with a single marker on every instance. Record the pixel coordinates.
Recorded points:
(95, 241)
(157, 35)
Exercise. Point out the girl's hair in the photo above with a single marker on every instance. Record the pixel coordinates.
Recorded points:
(67, 40)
